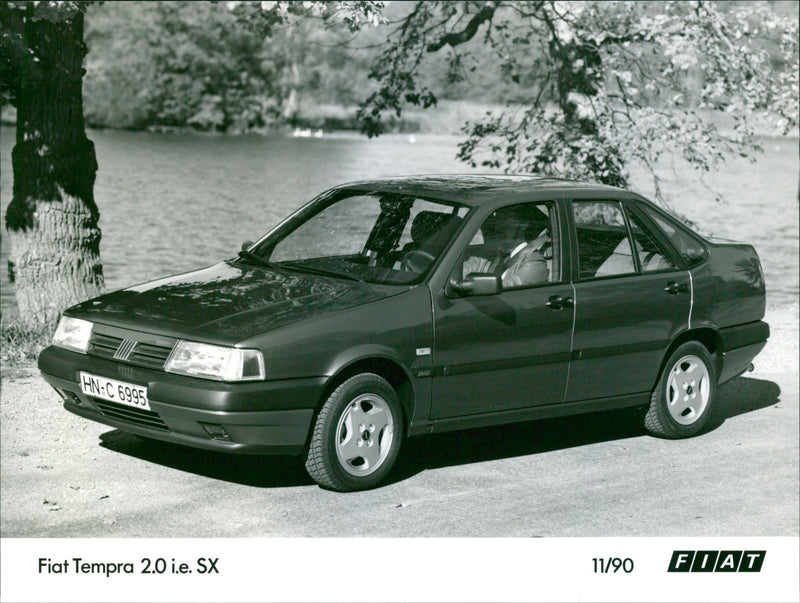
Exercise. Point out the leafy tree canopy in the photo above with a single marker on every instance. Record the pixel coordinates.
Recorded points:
(600, 85)
(226, 66)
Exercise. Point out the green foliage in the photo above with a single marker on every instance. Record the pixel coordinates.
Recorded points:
(250, 66)
(234, 66)
(600, 86)
(174, 64)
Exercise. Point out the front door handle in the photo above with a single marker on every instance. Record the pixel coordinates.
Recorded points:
(673, 288)
(556, 302)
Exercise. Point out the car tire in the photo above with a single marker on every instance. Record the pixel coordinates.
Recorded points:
(357, 435)
(683, 398)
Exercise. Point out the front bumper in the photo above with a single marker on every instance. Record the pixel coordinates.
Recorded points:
(268, 417)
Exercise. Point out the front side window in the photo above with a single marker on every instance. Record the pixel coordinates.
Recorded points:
(604, 248)
(519, 243)
(385, 238)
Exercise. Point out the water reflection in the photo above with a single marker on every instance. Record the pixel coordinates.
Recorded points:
(750, 269)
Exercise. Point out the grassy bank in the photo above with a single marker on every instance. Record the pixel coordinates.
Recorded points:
(20, 345)
(448, 117)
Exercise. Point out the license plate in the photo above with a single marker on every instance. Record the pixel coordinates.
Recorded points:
(114, 391)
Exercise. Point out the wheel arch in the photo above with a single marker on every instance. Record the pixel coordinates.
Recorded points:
(708, 337)
(384, 367)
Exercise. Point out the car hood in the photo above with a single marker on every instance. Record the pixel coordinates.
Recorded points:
(227, 302)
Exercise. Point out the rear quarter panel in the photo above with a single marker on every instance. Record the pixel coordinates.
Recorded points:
(729, 287)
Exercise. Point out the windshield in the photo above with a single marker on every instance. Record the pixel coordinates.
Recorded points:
(385, 238)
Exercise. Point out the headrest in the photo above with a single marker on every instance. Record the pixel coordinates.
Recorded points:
(426, 223)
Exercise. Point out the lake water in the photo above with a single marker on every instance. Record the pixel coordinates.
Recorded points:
(173, 202)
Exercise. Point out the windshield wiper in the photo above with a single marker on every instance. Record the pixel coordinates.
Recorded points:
(320, 271)
(244, 254)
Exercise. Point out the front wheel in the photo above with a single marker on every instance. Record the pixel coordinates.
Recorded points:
(681, 403)
(356, 436)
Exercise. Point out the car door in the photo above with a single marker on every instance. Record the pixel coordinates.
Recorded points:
(510, 350)
(628, 306)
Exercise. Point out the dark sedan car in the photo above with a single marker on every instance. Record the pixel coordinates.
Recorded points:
(393, 308)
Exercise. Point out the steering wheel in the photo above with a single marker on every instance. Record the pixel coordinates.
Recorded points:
(417, 261)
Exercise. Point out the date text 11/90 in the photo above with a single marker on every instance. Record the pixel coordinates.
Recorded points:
(612, 565)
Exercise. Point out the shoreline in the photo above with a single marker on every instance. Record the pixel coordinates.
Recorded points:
(445, 119)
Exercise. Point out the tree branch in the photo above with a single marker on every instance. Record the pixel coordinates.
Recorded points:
(465, 35)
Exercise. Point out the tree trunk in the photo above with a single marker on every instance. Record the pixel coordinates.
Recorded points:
(52, 218)
(291, 105)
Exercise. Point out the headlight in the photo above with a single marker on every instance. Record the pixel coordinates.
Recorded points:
(73, 334)
(215, 362)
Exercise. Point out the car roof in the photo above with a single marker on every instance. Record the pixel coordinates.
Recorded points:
(479, 189)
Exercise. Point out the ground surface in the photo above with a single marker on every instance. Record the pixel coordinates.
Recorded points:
(596, 475)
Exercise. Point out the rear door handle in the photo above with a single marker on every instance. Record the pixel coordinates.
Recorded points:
(556, 302)
(673, 288)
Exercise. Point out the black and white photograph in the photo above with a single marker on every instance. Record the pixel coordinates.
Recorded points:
(381, 301)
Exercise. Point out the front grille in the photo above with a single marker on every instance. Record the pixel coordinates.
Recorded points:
(128, 350)
(104, 346)
(129, 414)
(152, 356)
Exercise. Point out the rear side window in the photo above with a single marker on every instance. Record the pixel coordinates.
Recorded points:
(604, 248)
(691, 249)
(652, 256)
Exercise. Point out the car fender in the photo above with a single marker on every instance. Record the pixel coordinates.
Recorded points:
(363, 352)
(414, 393)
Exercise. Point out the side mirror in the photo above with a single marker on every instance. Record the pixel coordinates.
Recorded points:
(247, 245)
(474, 284)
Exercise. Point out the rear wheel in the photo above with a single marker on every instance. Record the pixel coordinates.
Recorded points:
(681, 403)
(357, 435)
